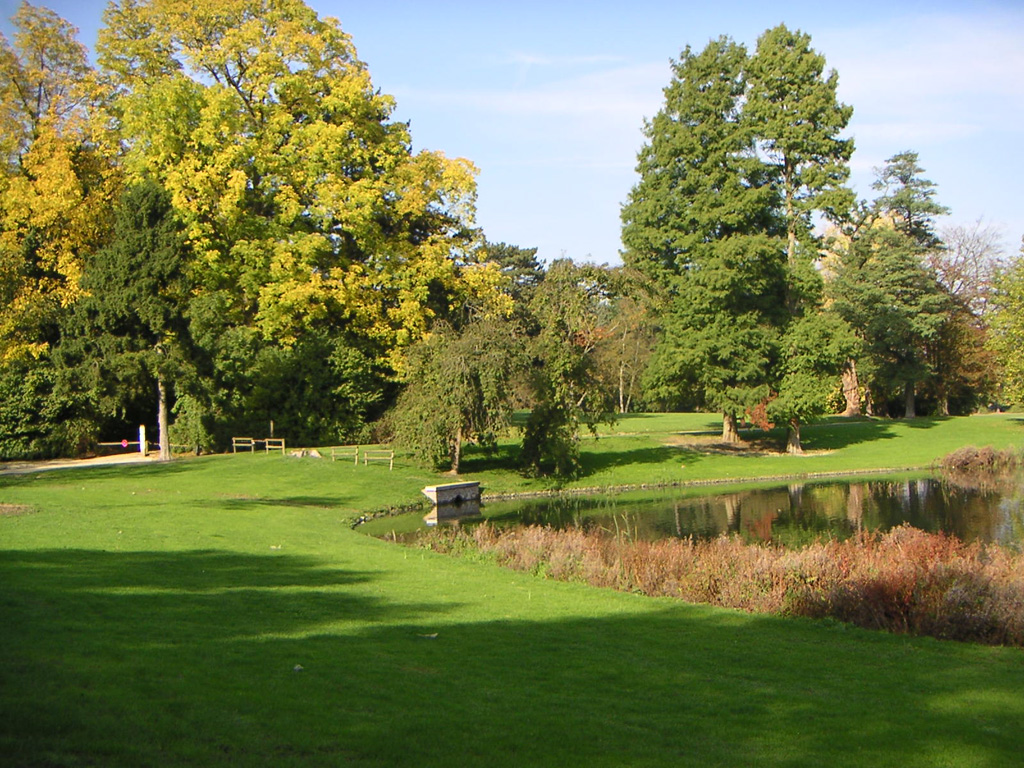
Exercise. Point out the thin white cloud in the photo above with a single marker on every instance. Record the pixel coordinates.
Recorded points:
(624, 92)
(914, 132)
(548, 60)
(942, 78)
(936, 56)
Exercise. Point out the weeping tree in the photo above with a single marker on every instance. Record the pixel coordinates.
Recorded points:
(459, 390)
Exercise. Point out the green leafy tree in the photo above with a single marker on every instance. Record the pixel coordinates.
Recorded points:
(458, 391)
(1007, 326)
(324, 388)
(630, 323)
(567, 391)
(814, 350)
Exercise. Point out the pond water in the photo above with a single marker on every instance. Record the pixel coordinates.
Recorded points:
(791, 514)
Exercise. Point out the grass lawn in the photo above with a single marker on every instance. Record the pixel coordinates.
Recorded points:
(221, 610)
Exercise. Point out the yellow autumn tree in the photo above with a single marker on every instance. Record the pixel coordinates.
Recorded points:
(57, 180)
(300, 196)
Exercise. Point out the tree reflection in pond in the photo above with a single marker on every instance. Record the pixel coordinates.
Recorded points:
(790, 515)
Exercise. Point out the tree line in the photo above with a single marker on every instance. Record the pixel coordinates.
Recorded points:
(221, 225)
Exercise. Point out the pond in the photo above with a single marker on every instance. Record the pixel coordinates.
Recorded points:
(791, 514)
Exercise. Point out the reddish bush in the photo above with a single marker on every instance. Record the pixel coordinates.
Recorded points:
(904, 580)
(973, 459)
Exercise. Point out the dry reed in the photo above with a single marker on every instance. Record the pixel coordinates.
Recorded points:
(904, 580)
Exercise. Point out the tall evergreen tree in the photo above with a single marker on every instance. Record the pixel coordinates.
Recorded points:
(797, 118)
(908, 199)
(703, 219)
(795, 114)
(130, 330)
(888, 291)
(895, 303)
(700, 180)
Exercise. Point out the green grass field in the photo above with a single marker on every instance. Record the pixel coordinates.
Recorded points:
(221, 611)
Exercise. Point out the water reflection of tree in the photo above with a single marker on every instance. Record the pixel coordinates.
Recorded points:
(790, 515)
(855, 493)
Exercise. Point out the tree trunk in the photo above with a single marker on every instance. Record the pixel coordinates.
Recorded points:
(622, 389)
(161, 417)
(730, 434)
(909, 396)
(457, 451)
(793, 441)
(851, 389)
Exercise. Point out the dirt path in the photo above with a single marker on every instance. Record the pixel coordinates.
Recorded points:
(28, 467)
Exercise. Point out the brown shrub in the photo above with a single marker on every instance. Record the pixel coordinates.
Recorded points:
(973, 459)
(904, 580)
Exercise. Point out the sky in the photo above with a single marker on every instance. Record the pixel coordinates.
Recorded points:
(548, 99)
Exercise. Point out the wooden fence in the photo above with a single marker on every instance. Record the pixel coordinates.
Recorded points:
(251, 443)
(369, 454)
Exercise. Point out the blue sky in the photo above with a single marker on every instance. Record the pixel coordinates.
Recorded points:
(548, 99)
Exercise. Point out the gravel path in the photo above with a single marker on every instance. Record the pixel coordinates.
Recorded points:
(28, 467)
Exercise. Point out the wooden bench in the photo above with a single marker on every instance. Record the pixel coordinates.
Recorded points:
(250, 443)
(242, 442)
(375, 454)
(345, 452)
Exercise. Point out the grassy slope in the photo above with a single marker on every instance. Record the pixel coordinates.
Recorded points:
(650, 448)
(154, 615)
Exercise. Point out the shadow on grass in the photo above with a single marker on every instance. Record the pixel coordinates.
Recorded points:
(693, 447)
(300, 502)
(208, 658)
(924, 422)
(504, 457)
(71, 473)
(837, 434)
(831, 435)
(595, 462)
